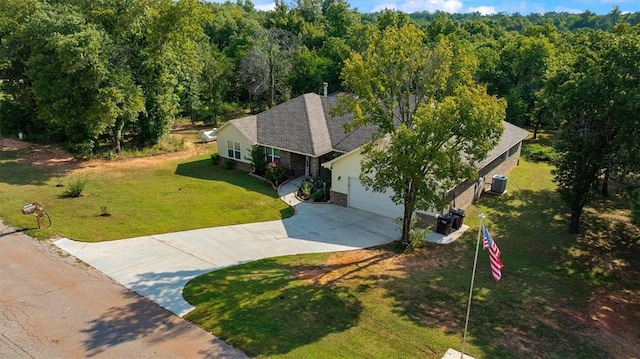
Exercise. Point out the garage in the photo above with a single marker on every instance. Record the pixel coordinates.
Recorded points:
(379, 203)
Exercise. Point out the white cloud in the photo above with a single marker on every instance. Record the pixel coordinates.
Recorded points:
(484, 10)
(266, 7)
(381, 7)
(567, 9)
(410, 6)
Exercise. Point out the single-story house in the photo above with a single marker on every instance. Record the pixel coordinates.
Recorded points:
(348, 191)
(299, 134)
(304, 137)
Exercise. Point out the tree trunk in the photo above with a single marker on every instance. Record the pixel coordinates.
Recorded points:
(406, 227)
(535, 130)
(117, 135)
(574, 225)
(605, 182)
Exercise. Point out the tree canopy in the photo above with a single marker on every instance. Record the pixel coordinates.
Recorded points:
(98, 76)
(434, 123)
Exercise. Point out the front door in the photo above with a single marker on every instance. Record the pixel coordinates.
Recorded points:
(307, 166)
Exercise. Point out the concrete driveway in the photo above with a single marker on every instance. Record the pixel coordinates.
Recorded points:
(158, 266)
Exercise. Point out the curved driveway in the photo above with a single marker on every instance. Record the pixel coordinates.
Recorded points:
(159, 266)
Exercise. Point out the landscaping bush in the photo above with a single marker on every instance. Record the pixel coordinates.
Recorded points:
(305, 189)
(257, 160)
(539, 153)
(318, 196)
(74, 188)
(215, 158)
(276, 173)
(229, 163)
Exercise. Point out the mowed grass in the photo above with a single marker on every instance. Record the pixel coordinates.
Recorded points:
(128, 202)
(379, 304)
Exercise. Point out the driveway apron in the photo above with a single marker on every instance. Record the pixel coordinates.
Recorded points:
(159, 266)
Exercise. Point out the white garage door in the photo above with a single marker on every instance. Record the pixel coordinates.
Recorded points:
(375, 202)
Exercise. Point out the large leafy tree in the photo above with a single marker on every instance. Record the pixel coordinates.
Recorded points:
(524, 63)
(595, 95)
(434, 124)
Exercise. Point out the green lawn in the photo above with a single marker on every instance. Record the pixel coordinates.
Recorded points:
(173, 196)
(387, 305)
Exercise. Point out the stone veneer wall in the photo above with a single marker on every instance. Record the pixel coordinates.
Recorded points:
(339, 198)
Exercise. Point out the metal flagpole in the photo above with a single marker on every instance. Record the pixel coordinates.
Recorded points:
(473, 277)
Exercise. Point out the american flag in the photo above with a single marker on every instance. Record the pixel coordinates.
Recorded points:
(494, 254)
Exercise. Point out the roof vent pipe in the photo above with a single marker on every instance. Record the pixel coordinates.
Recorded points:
(325, 87)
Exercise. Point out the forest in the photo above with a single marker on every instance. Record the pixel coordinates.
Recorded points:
(102, 75)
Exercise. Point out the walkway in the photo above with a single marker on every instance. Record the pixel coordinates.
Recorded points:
(159, 266)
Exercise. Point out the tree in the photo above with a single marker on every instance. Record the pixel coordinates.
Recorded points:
(266, 67)
(595, 95)
(524, 63)
(433, 122)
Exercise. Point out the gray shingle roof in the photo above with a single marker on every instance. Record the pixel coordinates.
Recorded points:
(304, 125)
(247, 125)
(511, 136)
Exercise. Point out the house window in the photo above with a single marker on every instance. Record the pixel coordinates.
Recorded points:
(233, 149)
(272, 154)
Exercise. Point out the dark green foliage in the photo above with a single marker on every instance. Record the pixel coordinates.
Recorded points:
(318, 196)
(229, 164)
(215, 158)
(258, 160)
(74, 188)
(538, 152)
(634, 204)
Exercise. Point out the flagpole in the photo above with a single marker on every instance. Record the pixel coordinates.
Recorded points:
(473, 277)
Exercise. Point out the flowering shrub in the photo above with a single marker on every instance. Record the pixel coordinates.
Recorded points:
(276, 173)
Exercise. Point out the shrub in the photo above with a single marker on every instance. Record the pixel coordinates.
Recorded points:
(229, 163)
(539, 153)
(318, 196)
(305, 189)
(215, 158)
(258, 161)
(276, 173)
(74, 188)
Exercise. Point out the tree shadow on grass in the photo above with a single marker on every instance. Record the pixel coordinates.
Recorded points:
(205, 169)
(537, 310)
(142, 319)
(263, 309)
(16, 168)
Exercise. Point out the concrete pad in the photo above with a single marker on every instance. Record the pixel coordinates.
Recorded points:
(454, 354)
(439, 238)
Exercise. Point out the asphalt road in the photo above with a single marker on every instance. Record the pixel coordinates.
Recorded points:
(53, 306)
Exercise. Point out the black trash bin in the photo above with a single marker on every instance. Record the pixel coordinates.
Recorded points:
(443, 225)
(458, 217)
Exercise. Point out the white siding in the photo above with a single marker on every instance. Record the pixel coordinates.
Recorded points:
(345, 166)
(231, 133)
(376, 202)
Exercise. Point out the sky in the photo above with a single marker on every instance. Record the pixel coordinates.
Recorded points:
(486, 7)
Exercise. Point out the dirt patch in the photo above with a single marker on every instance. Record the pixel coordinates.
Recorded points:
(344, 265)
(59, 160)
(7, 144)
(615, 319)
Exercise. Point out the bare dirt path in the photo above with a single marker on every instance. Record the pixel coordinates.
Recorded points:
(52, 306)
